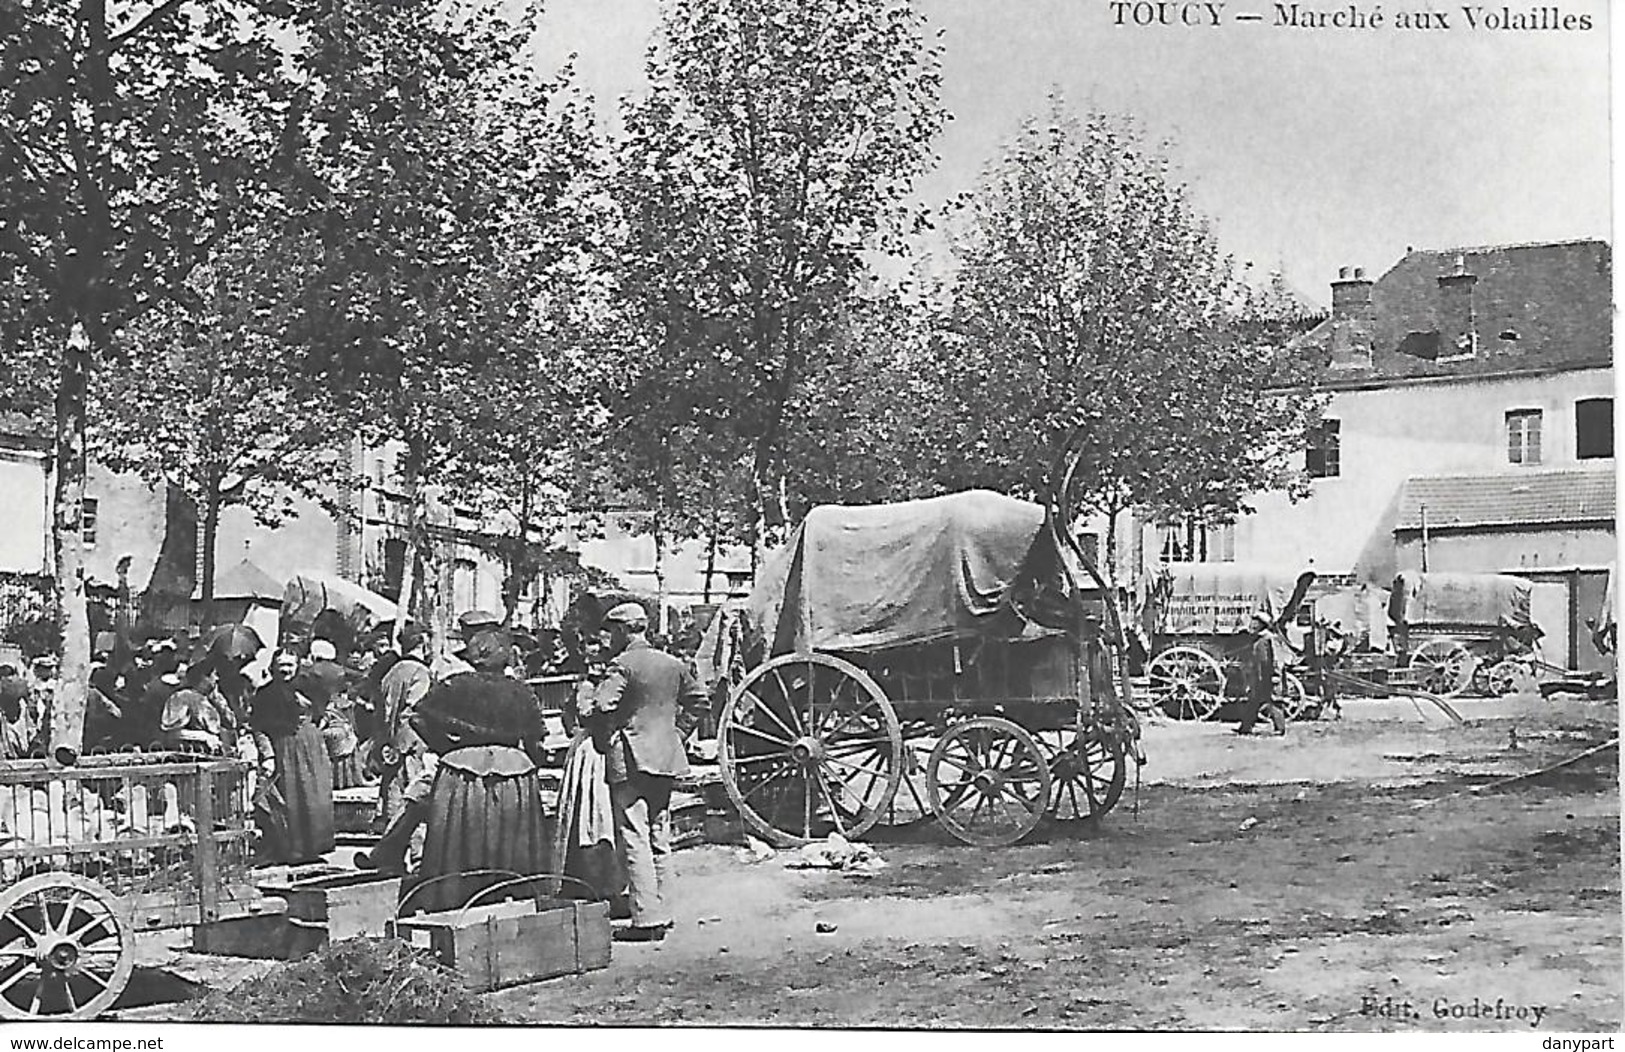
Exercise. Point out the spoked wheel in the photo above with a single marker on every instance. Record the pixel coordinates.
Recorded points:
(809, 746)
(1509, 676)
(1294, 698)
(64, 951)
(1187, 683)
(1087, 773)
(988, 781)
(1443, 667)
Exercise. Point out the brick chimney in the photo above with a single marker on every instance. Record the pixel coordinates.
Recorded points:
(1352, 318)
(1458, 327)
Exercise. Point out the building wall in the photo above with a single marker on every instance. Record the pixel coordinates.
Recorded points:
(302, 544)
(24, 537)
(129, 520)
(1507, 551)
(1393, 433)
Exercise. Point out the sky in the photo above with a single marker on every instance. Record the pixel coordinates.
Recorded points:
(1309, 149)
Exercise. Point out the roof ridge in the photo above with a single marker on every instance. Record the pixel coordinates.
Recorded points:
(1508, 247)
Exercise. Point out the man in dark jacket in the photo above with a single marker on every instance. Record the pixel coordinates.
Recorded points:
(1258, 672)
(633, 717)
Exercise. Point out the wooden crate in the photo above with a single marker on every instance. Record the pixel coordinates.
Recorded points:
(507, 943)
(345, 905)
(262, 933)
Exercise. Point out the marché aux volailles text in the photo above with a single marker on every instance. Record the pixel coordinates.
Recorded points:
(1546, 18)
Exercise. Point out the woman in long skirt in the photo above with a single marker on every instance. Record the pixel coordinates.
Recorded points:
(584, 832)
(485, 809)
(296, 808)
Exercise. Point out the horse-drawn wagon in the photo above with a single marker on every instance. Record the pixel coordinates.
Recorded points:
(1195, 622)
(951, 658)
(1455, 632)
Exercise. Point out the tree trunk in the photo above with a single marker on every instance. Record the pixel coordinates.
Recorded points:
(519, 561)
(67, 714)
(211, 531)
(660, 574)
(1111, 544)
(711, 553)
(758, 536)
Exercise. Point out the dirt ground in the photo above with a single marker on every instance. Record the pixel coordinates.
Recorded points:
(1372, 889)
(1362, 875)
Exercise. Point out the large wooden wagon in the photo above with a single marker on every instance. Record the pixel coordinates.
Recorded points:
(1458, 632)
(92, 854)
(1196, 620)
(951, 658)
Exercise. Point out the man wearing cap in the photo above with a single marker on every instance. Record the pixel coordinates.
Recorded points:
(404, 763)
(1258, 673)
(633, 717)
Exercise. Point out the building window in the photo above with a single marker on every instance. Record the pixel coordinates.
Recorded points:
(1090, 544)
(1189, 541)
(1594, 428)
(88, 512)
(1324, 457)
(1523, 436)
(394, 565)
(463, 585)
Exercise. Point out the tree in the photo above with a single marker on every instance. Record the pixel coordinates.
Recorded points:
(860, 429)
(778, 142)
(132, 135)
(432, 141)
(208, 399)
(1094, 317)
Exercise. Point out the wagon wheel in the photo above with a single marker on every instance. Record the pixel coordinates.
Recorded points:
(1187, 683)
(988, 781)
(1509, 676)
(1294, 698)
(65, 953)
(1443, 667)
(1087, 773)
(809, 745)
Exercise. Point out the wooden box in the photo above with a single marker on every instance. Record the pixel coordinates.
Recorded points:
(508, 943)
(264, 933)
(345, 905)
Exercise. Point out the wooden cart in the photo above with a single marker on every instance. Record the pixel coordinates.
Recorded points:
(1458, 633)
(952, 658)
(1196, 619)
(91, 855)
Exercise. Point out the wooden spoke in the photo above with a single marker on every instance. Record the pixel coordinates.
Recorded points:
(789, 704)
(766, 709)
(834, 811)
(759, 734)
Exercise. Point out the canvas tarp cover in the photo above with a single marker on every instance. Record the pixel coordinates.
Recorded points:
(1480, 599)
(1216, 599)
(886, 575)
(307, 596)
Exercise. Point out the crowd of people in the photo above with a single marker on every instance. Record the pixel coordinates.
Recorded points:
(453, 745)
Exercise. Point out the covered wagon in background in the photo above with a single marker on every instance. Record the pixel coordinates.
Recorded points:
(316, 605)
(949, 658)
(1456, 631)
(1195, 619)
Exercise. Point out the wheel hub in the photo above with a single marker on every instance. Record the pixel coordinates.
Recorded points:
(807, 750)
(63, 956)
(988, 783)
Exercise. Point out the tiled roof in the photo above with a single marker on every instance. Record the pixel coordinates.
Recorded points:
(1525, 498)
(1537, 306)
